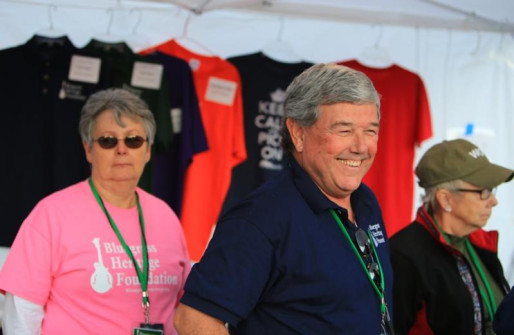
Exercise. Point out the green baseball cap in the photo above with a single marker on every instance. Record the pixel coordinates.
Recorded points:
(459, 159)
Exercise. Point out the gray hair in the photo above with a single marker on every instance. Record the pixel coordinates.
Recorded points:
(120, 102)
(324, 84)
(429, 198)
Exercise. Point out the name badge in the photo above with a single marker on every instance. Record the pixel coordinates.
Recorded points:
(149, 329)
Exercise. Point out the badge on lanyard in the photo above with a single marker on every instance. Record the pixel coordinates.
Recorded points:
(149, 329)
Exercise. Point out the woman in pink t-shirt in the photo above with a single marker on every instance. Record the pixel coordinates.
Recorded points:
(101, 256)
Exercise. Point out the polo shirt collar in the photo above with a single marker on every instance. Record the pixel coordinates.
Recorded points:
(317, 200)
(55, 49)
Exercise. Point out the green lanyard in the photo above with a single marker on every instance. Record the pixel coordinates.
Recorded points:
(488, 298)
(142, 275)
(380, 292)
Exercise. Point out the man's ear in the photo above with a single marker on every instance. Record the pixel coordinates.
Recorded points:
(297, 133)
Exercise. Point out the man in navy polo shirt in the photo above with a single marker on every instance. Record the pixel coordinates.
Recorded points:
(307, 252)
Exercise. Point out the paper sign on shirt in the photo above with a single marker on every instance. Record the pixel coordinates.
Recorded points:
(147, 75)
(194, 64)
(176, 120)
(85, 69)
(221, 91)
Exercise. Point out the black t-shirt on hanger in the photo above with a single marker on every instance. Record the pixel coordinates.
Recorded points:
(41, 109)
(264, 82)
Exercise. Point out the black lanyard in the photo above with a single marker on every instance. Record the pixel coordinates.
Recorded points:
(142, 275)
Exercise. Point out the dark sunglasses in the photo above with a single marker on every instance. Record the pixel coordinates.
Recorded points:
(364, 244)
(484, 193)
(132, 142)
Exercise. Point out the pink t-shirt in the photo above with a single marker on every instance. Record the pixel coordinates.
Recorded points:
(67, 258)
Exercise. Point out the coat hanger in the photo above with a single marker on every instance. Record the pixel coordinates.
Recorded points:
(489, 52)
(136, 40)
(476, 49)
(108, 37)
(50, 34)
(375, 56)
(190, 43)
(139, 19)
(280, 50)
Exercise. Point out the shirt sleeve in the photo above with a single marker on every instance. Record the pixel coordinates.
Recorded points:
(239, 144)
(27, 271)
(21, 317)
(231, 276)
(503, 322)
(424, 121)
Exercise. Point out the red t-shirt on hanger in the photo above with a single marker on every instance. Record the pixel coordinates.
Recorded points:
(405, 123)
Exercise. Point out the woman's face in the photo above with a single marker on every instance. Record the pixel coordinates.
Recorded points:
(469, 209)
(121, 163)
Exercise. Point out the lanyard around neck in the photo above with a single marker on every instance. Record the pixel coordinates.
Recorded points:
(488, 298)
(380, 292)
(141, 274)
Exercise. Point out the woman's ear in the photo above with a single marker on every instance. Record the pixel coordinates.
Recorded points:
(443, 198)
(87, 150)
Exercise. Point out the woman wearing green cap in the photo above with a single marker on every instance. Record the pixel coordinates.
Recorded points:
(447, 275)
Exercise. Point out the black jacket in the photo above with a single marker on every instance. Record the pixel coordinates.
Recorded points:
(429, 294)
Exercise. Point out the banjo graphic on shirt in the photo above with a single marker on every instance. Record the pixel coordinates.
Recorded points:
(101, 279)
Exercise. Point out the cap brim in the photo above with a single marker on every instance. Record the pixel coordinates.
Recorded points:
(489, 176)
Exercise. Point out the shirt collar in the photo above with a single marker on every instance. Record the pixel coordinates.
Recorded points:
(317, 200)
(58, 50)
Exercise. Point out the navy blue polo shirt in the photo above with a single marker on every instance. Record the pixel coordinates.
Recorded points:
(278, 263)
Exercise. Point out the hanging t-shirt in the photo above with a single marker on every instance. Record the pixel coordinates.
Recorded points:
(264, 82)
(169, 167)
(404, 123)
(218, 88)
(144, 77)
(45, 82)
(68, 258)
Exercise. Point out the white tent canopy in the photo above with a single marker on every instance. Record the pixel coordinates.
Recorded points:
(463, 49)
(462, 14)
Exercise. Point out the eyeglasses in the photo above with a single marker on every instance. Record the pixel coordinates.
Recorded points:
(132, 142)
(484, 193)
(365, 246)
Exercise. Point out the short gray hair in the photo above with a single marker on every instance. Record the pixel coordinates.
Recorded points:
(429, 198)
(120, 102)
(324, 84)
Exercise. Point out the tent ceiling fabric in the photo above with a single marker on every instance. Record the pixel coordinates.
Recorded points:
(480, 15)
(491, 15)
